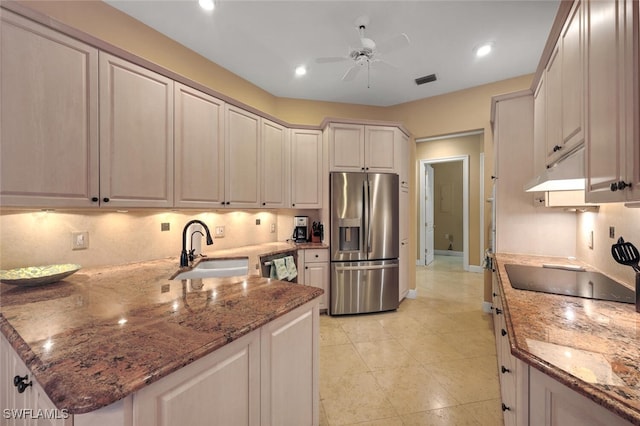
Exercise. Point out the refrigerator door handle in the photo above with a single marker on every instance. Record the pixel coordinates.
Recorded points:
(367, 202)
(365, 268)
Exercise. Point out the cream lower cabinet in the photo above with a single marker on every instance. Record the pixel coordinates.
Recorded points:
(553, 404)
(49, 121)
(30, 407)
(268, 377)
(314, 265)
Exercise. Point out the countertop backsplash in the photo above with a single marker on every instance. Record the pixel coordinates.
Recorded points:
(31, 238)
(626, 224)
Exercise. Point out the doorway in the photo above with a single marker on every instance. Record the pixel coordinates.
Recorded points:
(446, 194)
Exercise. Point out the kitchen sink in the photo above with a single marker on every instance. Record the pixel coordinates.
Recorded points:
(212, 268)
(577, 283)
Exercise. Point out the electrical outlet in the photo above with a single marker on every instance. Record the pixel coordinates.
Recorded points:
(590, 239)
(165, 226)
(80, 240)
(273, 228)
(257, 221)
(612, 232)
(219, 232)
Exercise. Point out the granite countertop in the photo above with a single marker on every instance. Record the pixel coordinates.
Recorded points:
(591, 346)
(103, 333)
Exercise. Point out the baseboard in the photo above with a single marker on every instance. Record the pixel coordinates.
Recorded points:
(449, 253)
(476, 269)
(412, 294)
(487, 307)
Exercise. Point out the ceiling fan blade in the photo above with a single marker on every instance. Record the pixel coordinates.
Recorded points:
(332, 59)
(351, 73)
(385, 63)
(394, 43)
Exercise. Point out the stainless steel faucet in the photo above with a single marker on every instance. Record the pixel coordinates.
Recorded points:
(184, 256)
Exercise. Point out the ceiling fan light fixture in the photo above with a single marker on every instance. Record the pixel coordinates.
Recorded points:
(207, 5)
(484, 49)
(301, 70)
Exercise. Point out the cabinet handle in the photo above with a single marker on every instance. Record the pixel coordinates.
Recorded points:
(505, 408)
(498, 311)
(557, 148)
(105, 199)
(95, 199)
(504, 369)
(19, 382)
(503, 332)
(622, 185)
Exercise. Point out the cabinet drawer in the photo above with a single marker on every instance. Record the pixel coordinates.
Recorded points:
(316, 255)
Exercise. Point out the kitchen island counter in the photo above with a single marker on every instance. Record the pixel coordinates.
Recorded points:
(590, 346)
(104, 333)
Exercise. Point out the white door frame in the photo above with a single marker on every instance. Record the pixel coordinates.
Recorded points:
(465, 205)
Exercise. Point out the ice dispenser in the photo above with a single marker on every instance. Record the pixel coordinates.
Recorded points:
(349, 234)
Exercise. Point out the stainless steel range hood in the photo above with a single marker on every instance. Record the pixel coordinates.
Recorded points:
(565, 175)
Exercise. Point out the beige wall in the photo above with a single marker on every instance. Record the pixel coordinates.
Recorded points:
(448, 206)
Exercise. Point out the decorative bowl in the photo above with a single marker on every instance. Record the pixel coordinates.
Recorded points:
(37, 275)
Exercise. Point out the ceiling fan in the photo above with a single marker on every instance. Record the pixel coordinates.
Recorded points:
(368, 53)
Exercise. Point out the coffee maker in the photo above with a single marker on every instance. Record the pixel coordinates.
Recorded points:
(300, 229)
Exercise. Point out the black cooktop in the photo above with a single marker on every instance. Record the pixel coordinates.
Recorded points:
(589, 285)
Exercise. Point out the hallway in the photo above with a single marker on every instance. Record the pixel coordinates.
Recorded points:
(432, 362)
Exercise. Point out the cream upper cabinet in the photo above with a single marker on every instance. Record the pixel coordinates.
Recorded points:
(136, 135)
(49, 148)
(242, 149)
(306, 169)
(199, 148)
(275, 159)
(380, 153)
(560, 127)
(359, 148)
(612, 146)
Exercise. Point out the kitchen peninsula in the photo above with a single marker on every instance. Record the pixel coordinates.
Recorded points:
(129, 337)
(563, 359)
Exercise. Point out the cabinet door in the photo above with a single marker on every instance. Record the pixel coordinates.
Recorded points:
(136, 135)
(49, 120)
(275, 165)
(608, 68)
(553, 76)
(380, 149)
(346, 147)
(199, 148)
(572, 45)
(289, 368)
(404, 150)
(316, 272)
(306, 169)
(242, 148)
(222, 388)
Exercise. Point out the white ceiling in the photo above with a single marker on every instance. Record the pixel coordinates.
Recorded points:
(263, 41)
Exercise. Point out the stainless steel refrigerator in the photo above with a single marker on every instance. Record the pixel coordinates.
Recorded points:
(364, 242)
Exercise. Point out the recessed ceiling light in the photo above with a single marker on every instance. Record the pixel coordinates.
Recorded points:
(301, 70)
(484, 49)
(207, 5)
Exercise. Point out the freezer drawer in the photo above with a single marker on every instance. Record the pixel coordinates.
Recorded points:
(360, 287)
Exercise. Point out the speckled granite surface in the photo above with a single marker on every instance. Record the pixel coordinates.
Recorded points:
(590, 346)
(104, 333)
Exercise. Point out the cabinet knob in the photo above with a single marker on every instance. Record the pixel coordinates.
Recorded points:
(20, 383)
(498, 311)
(503, 332)
(505, 408)
(504, 369)
(105, 199)
(293, 204)
(557, 148)
(95, 199)
(495, 294)
(264, 204)
(228, 202)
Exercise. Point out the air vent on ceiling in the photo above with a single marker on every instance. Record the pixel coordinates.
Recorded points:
(426, 79)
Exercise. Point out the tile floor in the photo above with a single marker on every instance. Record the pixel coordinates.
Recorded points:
(431, 362)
